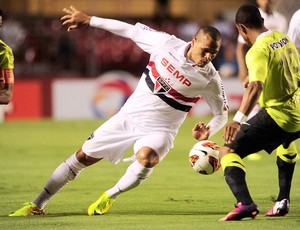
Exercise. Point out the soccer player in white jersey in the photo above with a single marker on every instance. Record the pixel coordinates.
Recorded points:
(177, 75)
(274, 75)
(294, 29)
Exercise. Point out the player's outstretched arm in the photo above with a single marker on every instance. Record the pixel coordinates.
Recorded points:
(75, 18)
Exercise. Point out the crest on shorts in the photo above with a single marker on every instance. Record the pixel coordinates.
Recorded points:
(91, 136)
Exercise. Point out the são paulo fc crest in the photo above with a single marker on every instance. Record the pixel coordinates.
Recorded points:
(161, 85)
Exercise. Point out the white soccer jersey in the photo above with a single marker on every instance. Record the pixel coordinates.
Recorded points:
(168, 88)
(171, 85)
(294, 29)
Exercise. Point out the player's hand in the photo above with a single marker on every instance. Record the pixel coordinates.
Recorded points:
(76, 18)
(201, 131)
(246, 82)
(230, 131)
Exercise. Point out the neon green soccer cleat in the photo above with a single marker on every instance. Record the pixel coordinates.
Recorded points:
(28, 209)
(101, 206)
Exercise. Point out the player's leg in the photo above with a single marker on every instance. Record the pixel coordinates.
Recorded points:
(135, 174)
(233, 166)
(286, 160)
(235, 177)
(266, 134)
(62, 175)
(149, 150)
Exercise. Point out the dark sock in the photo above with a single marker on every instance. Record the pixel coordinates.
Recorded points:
(285, 176)
(235, 178)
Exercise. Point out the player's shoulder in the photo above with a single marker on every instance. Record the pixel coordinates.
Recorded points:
(213, 74)
(5, 49)
(295, 19)
(279, 15)
(269, 37)
(4, 45)
(145, 28)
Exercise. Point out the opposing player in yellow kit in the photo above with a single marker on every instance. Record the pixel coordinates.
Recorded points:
(274, 76)
(6, 71)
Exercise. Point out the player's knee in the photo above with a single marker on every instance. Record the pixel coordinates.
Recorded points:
(223, 151)
(74, 166)
(147, 157)
(85, 159)
(288, 155)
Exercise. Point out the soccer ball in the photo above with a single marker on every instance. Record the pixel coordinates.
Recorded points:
(204, 157)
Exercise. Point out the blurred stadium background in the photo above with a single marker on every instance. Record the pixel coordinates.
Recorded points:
(90, 73)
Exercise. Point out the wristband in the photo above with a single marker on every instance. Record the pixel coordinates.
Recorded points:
(7, 75)
(240, 117)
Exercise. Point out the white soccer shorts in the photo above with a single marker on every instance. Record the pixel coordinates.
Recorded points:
(113, 138)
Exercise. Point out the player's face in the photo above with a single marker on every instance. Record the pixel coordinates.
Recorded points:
(203, 49)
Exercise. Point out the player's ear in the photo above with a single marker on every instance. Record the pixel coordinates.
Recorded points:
(194, 40)
(243, 28)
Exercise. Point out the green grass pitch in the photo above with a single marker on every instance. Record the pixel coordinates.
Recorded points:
(174, 197)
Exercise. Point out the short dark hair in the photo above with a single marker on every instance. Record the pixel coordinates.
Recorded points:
(249, 15)
(1, 12)
(213, 32)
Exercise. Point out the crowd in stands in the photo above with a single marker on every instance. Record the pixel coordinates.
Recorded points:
(43, 48)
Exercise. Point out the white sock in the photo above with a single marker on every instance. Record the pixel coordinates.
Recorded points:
(63, 174)
(135, 174)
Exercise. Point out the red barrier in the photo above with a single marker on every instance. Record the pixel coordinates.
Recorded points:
(31, 100)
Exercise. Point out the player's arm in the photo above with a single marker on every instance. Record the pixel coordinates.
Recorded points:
(201, 131)
(217, 101)
(6, 85)
(240, 57)
(219, 108)
(249, 100)
(78, 19)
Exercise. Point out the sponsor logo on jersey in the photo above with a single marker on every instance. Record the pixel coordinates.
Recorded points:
(226, 107)
(281, 43)
(175, 72)
(173, 56)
